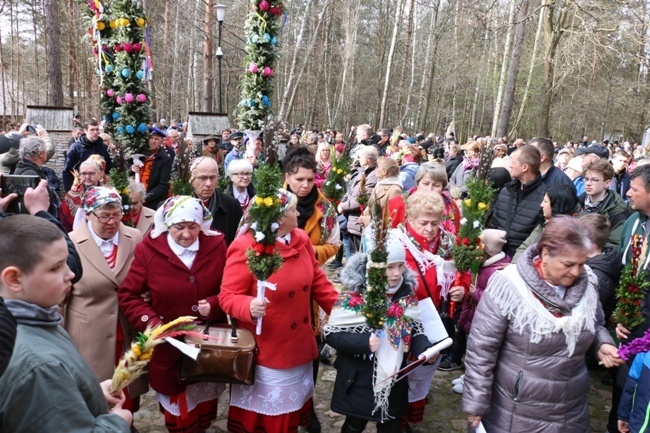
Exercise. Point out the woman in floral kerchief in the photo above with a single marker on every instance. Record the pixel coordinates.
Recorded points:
(92, 316)
(281, 398)
(362, 391)
(181, 263)
(428, 253)
(324, 163)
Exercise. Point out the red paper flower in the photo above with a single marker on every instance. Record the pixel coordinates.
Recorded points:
(269, 249)
(464, 241)
(264, 6)
(259, 249)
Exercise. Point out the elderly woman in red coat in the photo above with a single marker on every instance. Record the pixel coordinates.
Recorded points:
(182, 269)
(281, 398)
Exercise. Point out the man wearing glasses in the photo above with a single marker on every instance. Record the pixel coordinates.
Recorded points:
(226, 211)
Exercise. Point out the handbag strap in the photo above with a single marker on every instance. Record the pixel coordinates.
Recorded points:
(233, 325)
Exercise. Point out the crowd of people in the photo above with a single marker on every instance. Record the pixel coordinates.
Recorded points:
(81, 274)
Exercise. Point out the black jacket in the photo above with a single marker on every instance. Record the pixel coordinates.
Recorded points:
(226, 214)
(452, 163)
(517, 211)
(353, 395)
(7, 336)
(26, 167)
(78, 153)
(607, 266)
(555, 176)
(621, 184)
(159, 177)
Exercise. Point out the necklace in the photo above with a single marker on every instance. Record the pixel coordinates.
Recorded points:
(112, 257)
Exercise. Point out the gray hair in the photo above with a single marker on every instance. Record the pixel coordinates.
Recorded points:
(370, 152)
(93, 162)
(31, 147)
(436, 172)
(237, 165)
(137, 188)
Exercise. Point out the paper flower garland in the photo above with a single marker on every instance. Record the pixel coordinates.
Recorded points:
(262, 28)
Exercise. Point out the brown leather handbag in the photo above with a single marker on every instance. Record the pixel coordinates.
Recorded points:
(228, 356)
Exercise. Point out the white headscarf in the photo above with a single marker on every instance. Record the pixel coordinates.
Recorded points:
(181, 209)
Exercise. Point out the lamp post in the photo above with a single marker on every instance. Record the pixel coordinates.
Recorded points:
(221, 14)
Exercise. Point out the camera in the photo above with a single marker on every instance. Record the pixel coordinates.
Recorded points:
(12, 184)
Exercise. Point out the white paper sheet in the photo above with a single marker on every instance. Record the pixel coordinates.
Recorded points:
(186, 349)
(434, 329)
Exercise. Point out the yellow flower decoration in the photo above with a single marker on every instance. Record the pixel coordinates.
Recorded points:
(139, 22)
(339, 171)
(125, 22)
(100, 26)
(259, 201)
(482, 206)
(468, 202)
(268, 201)
(113, 24)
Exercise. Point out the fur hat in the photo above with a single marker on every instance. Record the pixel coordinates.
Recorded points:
(493, 241)
(575, 163)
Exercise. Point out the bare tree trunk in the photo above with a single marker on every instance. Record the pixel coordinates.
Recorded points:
(207, 56)
(405, 58)
(513, 70)
(55, 95)
(347, 76)
(504, 64)
(409, 91)
(389, 64)
(284, 108)
(429, 70)
(486, 45)
(533, 58)
(455, 86)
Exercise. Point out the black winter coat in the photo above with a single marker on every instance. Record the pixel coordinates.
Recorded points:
(226, 213)
(452, 163)
(517, 211)
(26, 167)
(7, 336)
(353, 395)
(159, 178)
(607, 266)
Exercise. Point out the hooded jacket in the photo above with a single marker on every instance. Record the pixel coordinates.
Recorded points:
(614, 208)
(517, 211)
(607, 266)
(522, 373)
(353, 391)
(79, 152)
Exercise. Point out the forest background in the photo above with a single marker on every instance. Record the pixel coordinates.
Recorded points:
(558, 68)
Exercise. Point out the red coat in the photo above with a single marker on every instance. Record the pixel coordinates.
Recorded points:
(175, 292)
(287, 338)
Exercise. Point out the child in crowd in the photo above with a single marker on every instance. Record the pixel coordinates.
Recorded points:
(47, 385)
(494, 259)
(634, 407)
(362, 391)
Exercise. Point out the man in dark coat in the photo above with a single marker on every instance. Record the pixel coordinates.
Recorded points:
(90, 143)
(517, 208)
(454, 160)
(551, 175)
(226, 210)
(157, 170)
(621, 180)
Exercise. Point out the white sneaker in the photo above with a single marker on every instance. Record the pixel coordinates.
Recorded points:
(458, 380)
(458, 388)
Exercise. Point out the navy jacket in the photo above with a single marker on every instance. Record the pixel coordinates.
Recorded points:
(78, 153)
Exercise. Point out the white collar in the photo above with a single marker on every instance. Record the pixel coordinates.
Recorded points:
(286, 238)
(241, 196)
(99, 241)
(180, 250)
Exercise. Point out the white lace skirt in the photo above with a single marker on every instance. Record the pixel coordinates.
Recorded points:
(275, 391)
(420, 380)
(195, 393)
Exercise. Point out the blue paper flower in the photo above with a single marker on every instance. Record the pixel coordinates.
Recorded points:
(266, 101)
(120, 130)
(130, 129)
(126, 73)
(255, 39)
(251, 102)
(140, 74)
(142, 128)
(109, 68)
(274, 40)
(116, 115)
(107, 119)
(267, 37)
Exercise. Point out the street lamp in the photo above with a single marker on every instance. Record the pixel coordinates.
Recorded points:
(221, 14)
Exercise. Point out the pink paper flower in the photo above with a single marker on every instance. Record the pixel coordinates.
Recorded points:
(355, 300)
(267, 72)
(110, 93)
(264, 6)
(118, 48)
(137, 47)
(252, 67)
(128, 47)
(119, 100)
(129, 98)
(141, 98)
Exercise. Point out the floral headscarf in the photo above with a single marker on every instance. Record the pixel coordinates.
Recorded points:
(180, 209)
(94, 198)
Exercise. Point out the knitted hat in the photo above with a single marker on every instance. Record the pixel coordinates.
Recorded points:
(396, 253)
(575, 164)
(493, 241)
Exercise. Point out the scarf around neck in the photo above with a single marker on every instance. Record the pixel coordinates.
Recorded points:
(306, 206)
(32, 314)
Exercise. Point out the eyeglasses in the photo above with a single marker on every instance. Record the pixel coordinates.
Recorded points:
(88, 174)
(591, 180)
(104, 219)
(243, 174)
(204, 179)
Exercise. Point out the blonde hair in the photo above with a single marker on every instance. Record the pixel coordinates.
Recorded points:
(323, 146)
(424, 203)
(389, 165)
